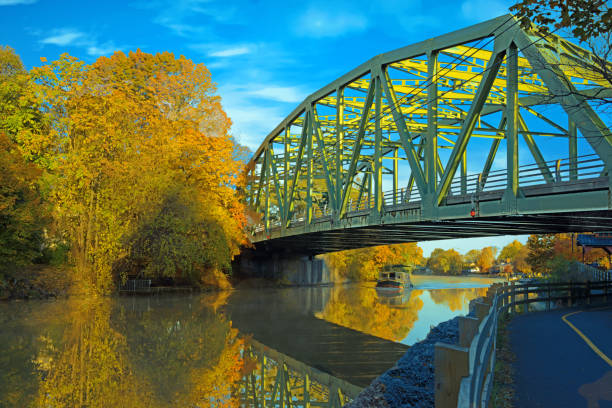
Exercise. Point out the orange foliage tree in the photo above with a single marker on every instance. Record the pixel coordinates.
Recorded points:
(129, 134)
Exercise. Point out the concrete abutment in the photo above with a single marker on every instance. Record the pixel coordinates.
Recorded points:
(295, 269)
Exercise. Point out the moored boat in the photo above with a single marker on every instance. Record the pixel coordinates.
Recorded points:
(394, 278)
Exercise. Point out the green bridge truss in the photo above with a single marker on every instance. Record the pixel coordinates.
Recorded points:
(423, 143)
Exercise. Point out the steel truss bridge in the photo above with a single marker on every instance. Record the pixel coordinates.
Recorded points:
(484, 131)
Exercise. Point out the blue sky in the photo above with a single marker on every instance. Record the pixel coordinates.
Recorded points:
(265, 56)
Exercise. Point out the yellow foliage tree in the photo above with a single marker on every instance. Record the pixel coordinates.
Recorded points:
(126, 133)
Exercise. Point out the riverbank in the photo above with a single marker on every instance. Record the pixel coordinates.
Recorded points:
(410, 383)
(35, 282)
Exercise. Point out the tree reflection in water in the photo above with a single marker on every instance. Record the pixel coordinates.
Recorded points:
(125, 353)
(361, 308)
(456, 299)
(390, 317)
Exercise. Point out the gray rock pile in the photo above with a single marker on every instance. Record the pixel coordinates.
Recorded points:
(410, 384)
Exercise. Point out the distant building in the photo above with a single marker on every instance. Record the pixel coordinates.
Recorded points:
(422, 270)
(503, 267)
(470, 269)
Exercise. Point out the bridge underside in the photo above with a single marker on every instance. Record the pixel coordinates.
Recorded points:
(490, 130)
(329, 240)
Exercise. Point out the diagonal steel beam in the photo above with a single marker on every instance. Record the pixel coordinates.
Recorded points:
(412, 156)
(535, 151)
(323, 155)
(470, 122)
(298, 165)
(357, 149)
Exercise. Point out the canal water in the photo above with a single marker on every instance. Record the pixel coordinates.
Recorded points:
(222, 349)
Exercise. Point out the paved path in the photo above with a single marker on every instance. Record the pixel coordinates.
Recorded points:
(555, 367)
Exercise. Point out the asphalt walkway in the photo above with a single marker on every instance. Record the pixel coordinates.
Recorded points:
(555, 366)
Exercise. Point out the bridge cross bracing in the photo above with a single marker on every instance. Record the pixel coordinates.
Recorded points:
(484, 131)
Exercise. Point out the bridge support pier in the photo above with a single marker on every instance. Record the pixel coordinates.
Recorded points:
(293, 269)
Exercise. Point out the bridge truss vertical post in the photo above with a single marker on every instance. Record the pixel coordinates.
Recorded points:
(512, 123)
(395, 176)
(287, 152)
(266, 168)
(309, 167)
(339, 147)
(464, 173)
(431, 145)
(573, 149)
(377, 175)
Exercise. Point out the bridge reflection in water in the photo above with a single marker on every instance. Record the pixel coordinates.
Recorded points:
(279, 380)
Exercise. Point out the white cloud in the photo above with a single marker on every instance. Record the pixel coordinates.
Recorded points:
(74, 38)
(481, 10)
(16, 2)
(253, 120)
(279, 93)
(319, 23)
(65, 37)
(230, 52)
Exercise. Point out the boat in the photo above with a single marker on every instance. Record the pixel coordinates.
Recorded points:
(394, 279)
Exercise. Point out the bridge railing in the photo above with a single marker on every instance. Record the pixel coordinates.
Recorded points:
(583, 169)
(464, 373)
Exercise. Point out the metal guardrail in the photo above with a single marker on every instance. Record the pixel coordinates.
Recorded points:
(464, 373)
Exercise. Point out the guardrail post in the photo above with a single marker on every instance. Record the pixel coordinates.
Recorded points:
(451, 364)
(588, 292)
(481, 310)
(513, 298)
(570, 297)
(548, 297)
(525, 298)
(468, 327)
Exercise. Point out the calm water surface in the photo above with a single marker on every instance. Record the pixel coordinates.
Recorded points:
(205, 350)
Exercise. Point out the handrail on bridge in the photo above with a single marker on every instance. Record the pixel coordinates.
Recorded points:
(586, 167)
(464, 373)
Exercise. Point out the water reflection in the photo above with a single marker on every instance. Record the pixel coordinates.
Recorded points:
(218, 350)
(396, 317)
(121, 353)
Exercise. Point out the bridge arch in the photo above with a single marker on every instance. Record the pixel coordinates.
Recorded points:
(483, 131)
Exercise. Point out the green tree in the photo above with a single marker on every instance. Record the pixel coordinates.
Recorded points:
(471, 256)
(510, 251)
(540, 252)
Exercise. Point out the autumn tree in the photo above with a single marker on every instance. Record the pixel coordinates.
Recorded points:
(471, 256)
(485, 259)
(589, 21)
(445, 261)
(128, 132)
(22, 216)
(365, 263)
